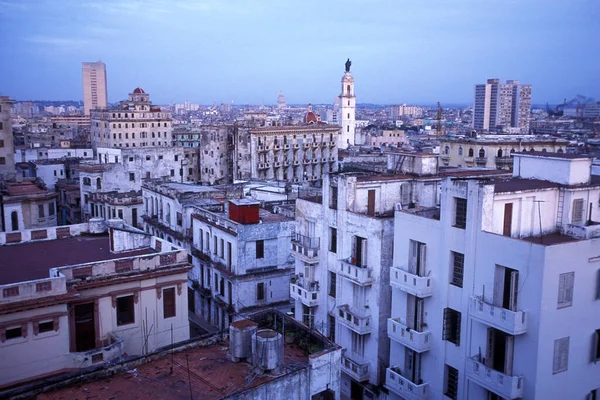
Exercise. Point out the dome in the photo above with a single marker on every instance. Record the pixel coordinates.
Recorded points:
(138, 90)
(310, 118)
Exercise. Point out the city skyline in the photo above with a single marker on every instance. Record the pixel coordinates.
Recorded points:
(209, 51)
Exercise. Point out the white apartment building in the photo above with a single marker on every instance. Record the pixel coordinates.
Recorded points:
(242, 261)
(342, 246)
(134, 123)
(495, 293)
(73, 297)
(95, 94)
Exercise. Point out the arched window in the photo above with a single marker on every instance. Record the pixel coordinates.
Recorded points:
(98, 183)
(87, 181)
(543, 150)
(460, 151)
(481, 153)
(531, 150)
(559, 151)
(470, 152)
(446, 150)
(499, 152)
(348, 90)
(168, 219)
(511, 152)
(14, 221)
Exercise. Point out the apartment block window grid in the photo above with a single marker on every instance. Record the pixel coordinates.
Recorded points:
(565, 289)
(458, 268)
(451, 390)
(451, 327)
(460, 213)
(560, 361)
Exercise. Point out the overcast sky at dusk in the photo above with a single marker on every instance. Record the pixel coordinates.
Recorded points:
(247, 51)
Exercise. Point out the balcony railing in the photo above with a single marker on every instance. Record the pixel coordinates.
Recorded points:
(417, 341)
(402, 386)
(420, 286)
(359, 322)
(504, 161)
(506, 386)
(309, 296)
(358, 274)
(358, 371)
(481, 160)
(511, 322)
(305, 248)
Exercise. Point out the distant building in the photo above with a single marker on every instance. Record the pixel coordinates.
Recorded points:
(7, 159)
(95, 94)
(281, 101)
(348, 112)
(502, 107)
(494, 151)
(134, 123)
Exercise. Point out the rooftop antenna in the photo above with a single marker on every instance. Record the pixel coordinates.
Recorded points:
(540, 218)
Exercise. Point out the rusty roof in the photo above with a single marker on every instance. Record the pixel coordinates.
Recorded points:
(33, 260)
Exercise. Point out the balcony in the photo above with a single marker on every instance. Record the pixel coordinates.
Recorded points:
(309, 295)
(504, 161)
(358, 274)
(507, 386)
(481, 161)
(306, 161)
(261, 166)
(332, 158)
(420, 286)
(324, 159)
(306, 248)
(469, 160)
(277, 164)
(511, 322)
(359, 322)
(445, 157)
(277, 147)
(315, 144)
(296, 146)
(359, 372)
(261, 148)
(296, 162)
(286, 146)
(315, 160)
(286, 163)
(331, 144)
(417, 341)
(403, 387)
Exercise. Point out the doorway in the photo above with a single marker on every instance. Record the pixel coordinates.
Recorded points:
(85, 327)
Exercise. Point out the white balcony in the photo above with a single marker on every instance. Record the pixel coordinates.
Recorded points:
(506, 386)
(511, 322)
(358, 274)
(420, 286)
(359, 322)
(417, 341)
(403, 386)
(357, 371)
(308, 296)
(305, 248)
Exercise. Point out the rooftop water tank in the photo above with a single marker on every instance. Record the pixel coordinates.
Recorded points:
(240, 339)
(267, 350)
(96, 225)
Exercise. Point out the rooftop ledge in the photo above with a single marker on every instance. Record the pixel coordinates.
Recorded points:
(425, 212)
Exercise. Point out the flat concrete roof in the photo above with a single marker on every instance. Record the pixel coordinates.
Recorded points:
(33, 260)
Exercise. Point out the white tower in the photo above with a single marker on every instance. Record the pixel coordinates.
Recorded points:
(348, 109)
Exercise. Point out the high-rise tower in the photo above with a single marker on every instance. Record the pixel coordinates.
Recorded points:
(7, 157)
(502, 106)
(348, 109)
(94, 86)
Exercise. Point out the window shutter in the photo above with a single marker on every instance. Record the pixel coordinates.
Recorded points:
(595, 338)
(577, 215)
(458, 317)
(446, 323)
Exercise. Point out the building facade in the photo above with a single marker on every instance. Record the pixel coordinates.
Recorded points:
(7, 158)
(491, 289)
(494, 151)
(27, 205)
(95, 92)
(502, 107)
(134, 123)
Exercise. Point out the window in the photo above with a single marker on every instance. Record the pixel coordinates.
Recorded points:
(148, 158)
(458, 268)
(470, 152)
(132, 176)
(565, 289)
(125, 310)
(596, 346)
(451, 330)
(176, 156)
(172, 172)
(98, 183)
(160, 157)
(560, 362)
(577, 212)
(332, 283)
(333, 197)
(260, 291)
(331, 328)
(180, 220)
(14, 222)
(169, 303)
(41, 213)
(451, 387)
(481, 153)
(333, 240)
(460, 213)
(260, 249)
(87, 182)
(2, 160)
(120, 213)
(47, 326)
(51, 210)
(14, 333)
(598, 285)
(460, 151)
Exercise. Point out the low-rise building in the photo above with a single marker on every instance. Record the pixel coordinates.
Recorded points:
(493, 292)
(27, 205)
(72, 297)
(494, 151)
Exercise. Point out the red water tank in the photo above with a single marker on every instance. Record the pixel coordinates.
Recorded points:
(244, 211)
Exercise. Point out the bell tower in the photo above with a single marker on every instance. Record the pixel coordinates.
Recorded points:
(348, 109)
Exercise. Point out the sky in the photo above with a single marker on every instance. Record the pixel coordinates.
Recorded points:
(246, 52)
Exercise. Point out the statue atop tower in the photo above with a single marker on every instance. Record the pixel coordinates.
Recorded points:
(348, 64)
